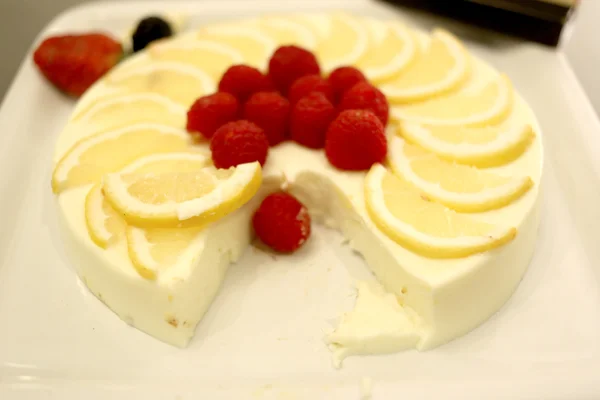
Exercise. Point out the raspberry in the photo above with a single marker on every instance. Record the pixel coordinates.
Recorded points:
(208, 113)
(364, 96)
(310, 118)
(289, 63)
(242, 81)
(282, 222)
(271, 112)
(355, 140)
(308, 84)
(237, 143)
(343, 78)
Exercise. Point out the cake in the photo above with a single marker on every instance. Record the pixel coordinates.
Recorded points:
(447, 224)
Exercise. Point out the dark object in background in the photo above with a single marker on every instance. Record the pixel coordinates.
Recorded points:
(536, 20)
(148, 30)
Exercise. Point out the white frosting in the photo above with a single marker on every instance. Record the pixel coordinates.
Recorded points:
(448, 297)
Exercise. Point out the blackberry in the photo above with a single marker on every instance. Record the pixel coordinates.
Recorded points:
(148, 30)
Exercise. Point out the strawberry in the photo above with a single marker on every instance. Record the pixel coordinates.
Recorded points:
(73, 63)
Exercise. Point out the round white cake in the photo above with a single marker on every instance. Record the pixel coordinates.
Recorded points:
(447, 225)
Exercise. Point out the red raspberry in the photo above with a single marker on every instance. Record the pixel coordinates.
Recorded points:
(271, 112)
(310, 118)
(208, 113)
(355, 140)
(282, 222)
(308, 84)
(289, 63)
(237, 143)
(242, 81)
(364, 96)
(343, 78)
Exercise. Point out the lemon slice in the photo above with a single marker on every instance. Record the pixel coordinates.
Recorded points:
(489, 106)
(168, 199)
(153, 250)
(392, 48)
(184, 161)
(211, 57)
(423, 226)
(319, 24)
(179, 82)
(443, 67)
(487, 146)
(118, 111)
(286, 31)
(255, 46)
(91, 158)
(104, 224)
(345, 42)
(156, 249)
(460, 187)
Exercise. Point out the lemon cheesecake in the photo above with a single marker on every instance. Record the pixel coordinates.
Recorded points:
(447, 224)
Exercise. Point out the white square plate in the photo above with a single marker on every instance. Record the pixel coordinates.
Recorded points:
(262, 337)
